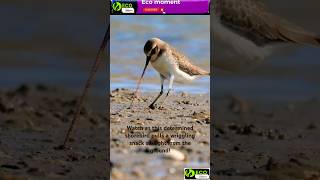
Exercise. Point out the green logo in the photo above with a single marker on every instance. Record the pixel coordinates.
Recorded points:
(116, 6)
(200, 173)
(189, 173)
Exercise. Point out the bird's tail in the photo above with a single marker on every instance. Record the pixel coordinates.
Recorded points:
(298, 35)
(204, 72)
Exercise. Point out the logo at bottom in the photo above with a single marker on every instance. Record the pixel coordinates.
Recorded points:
(199, 173)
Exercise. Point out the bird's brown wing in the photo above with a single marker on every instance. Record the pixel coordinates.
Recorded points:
(251, 19)
(185, 64)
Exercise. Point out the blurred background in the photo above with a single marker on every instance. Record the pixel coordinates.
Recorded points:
(290, 74)
(189, 34)
(266, 123)
(51, 42)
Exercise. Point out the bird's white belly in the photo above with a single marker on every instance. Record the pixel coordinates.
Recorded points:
(167, 67)
(164, 66)
(233, 51)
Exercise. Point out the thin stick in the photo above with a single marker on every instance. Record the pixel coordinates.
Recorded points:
(92, 74)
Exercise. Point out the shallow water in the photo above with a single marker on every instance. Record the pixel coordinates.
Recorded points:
(293, 76)
(189, 34)
(45, 42)
(52, 43)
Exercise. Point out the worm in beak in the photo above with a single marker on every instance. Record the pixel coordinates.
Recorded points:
(144, 70)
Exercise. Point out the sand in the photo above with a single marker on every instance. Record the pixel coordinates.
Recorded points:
(33, 122)
(180, 110)
(255, 140)
(252, 140)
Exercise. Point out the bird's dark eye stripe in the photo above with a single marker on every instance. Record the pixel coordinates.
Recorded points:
(153, 51)
(148, 46)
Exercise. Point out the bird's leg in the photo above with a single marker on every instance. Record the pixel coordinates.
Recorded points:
(169, 90)
(151, 106)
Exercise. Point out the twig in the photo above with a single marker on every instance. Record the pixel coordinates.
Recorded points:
(92, 74)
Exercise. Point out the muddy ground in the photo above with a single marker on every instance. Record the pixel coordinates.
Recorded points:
(255, 140)
(180, 109)
(33, 122)
(252, 140)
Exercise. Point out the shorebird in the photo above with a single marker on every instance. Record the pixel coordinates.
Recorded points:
(250, 33)
(170, 64)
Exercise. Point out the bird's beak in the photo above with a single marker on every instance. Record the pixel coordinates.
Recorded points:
(144, 70)
(145, 66)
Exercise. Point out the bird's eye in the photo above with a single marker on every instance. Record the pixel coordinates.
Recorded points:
(153, 51)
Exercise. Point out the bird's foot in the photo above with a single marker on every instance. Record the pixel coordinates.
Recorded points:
(155, 106)
(152, 106)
